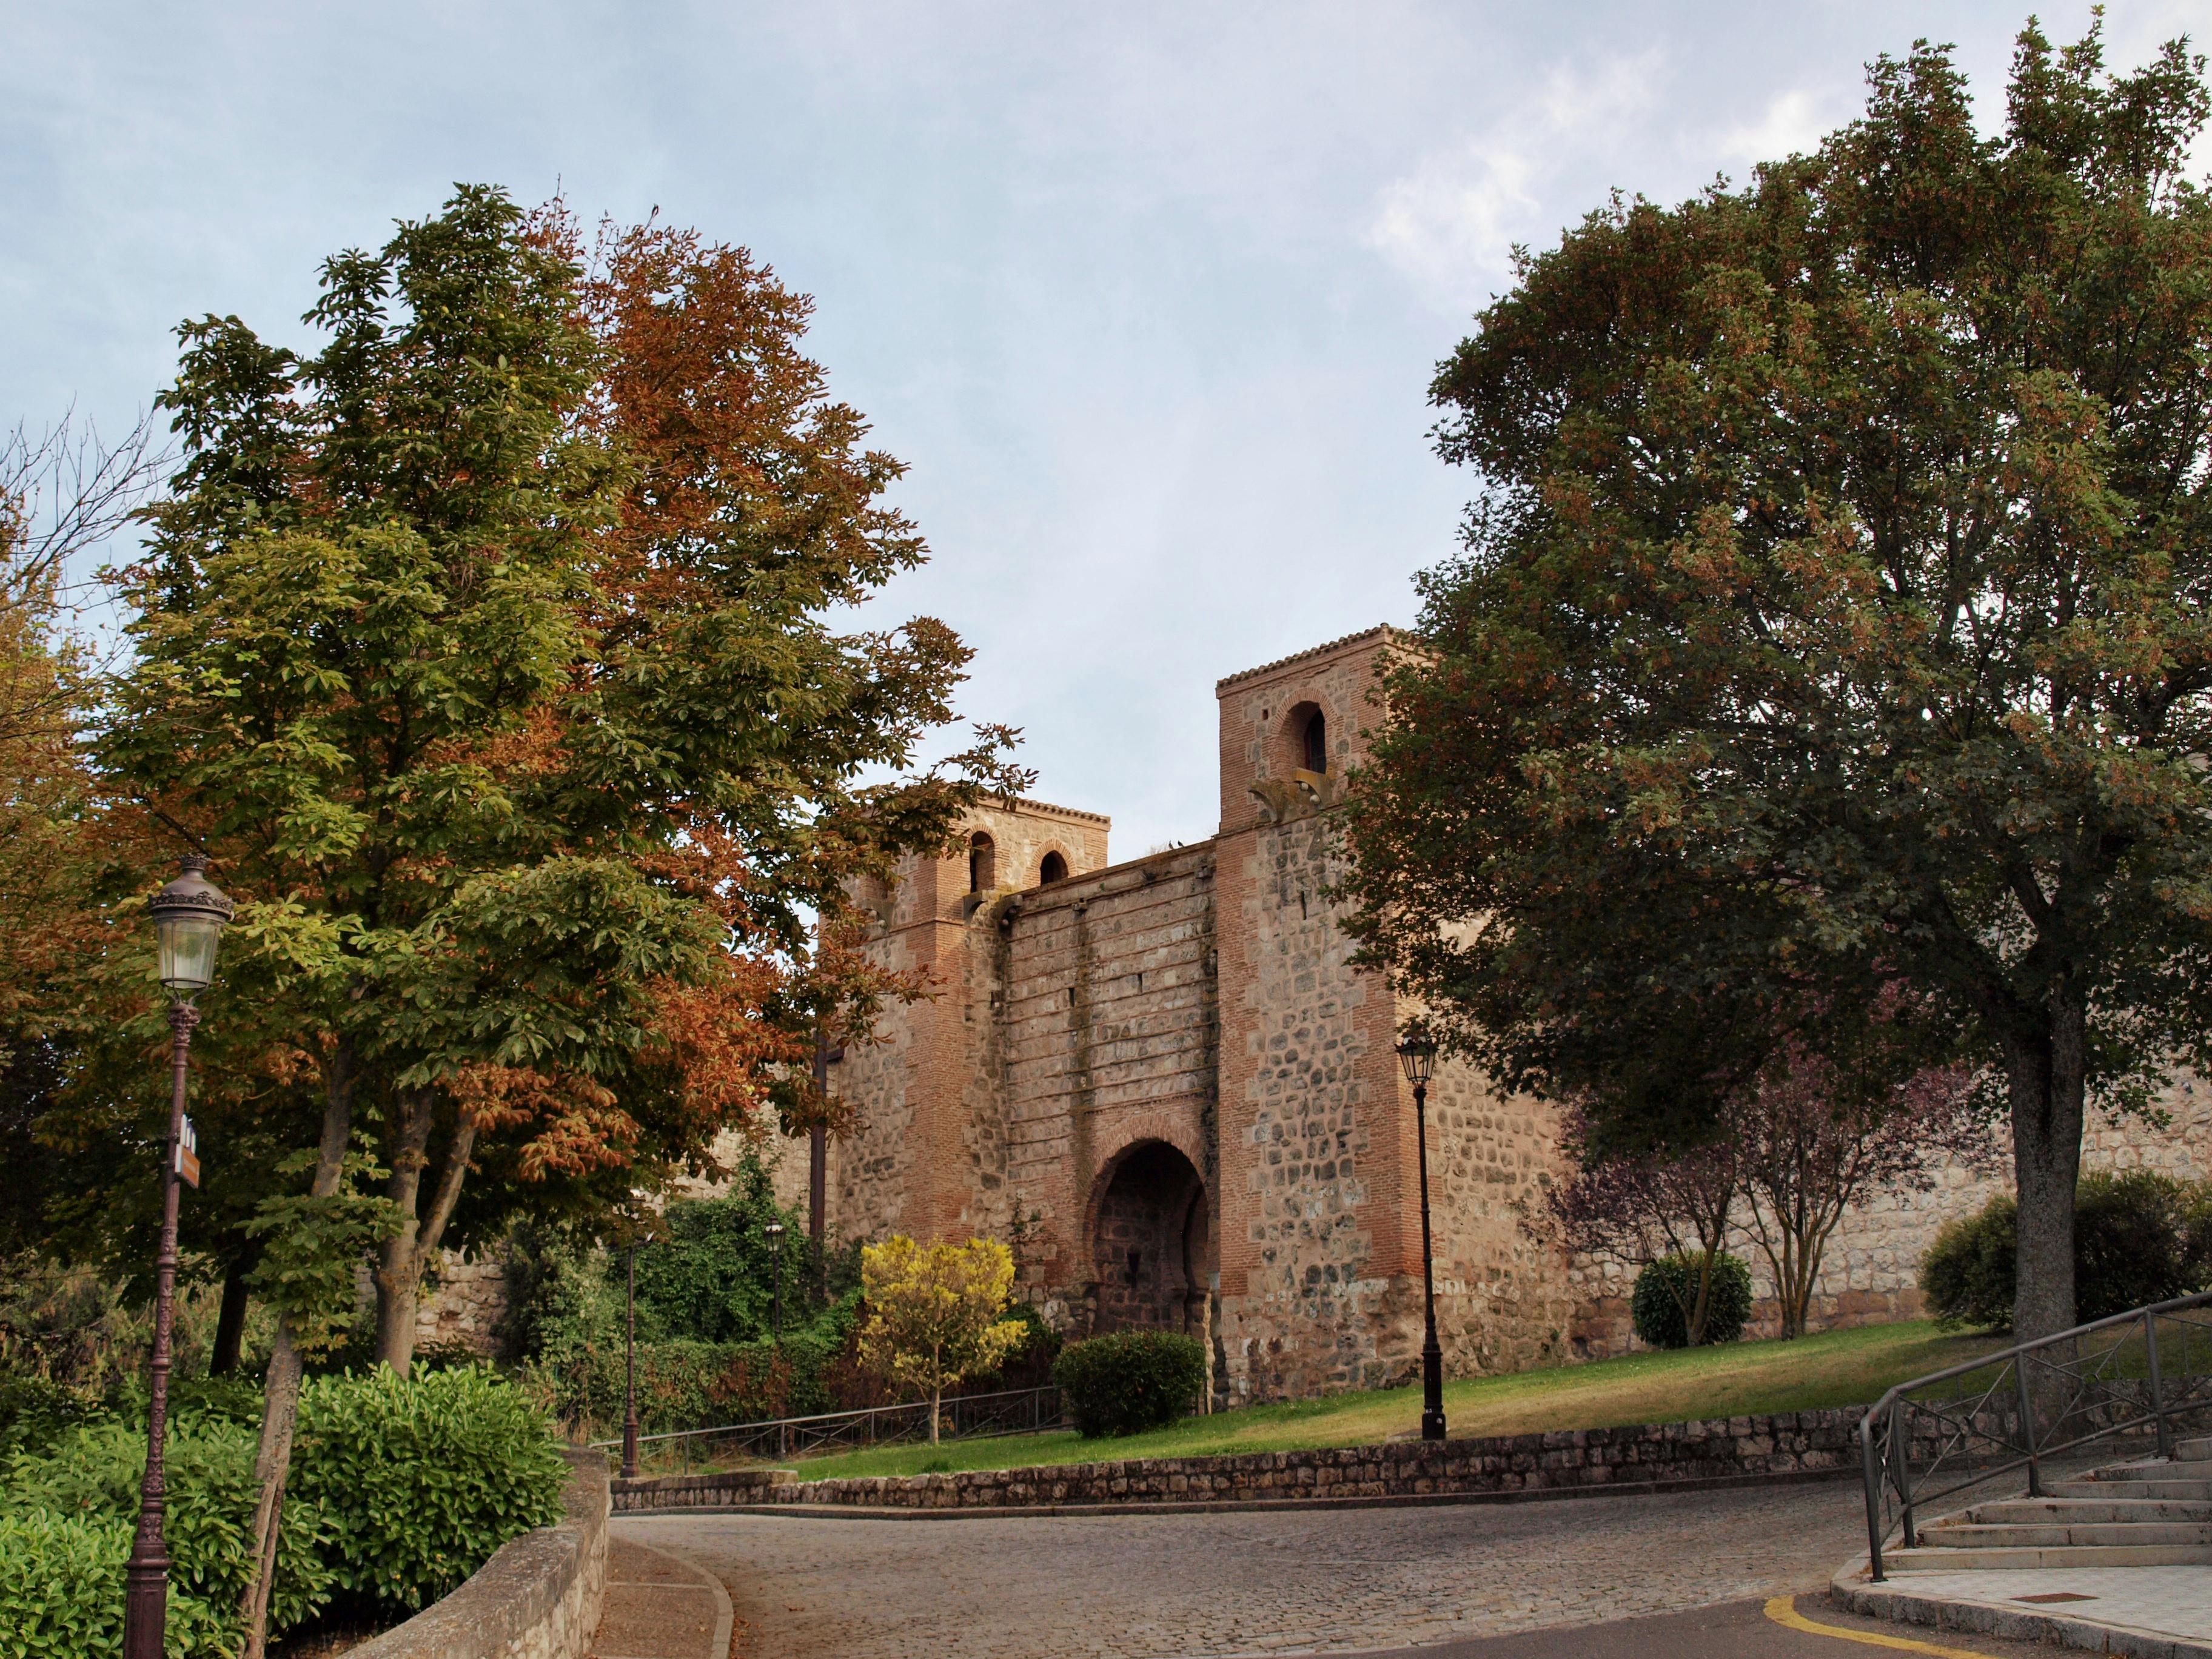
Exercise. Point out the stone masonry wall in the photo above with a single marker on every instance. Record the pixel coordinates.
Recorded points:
(538, 1597)
(1671, 1454)
(1504, 1301)
(1094, 1035)
(1320, 1248)
(1870, 1273)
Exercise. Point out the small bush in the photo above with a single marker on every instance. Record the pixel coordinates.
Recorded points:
(61, 1586)
(2131, 1242)
(1966, 1272)
(2139, 1238)
(89, 1479)
(1129, 1381)
(420, 1481)
(1667, 1286)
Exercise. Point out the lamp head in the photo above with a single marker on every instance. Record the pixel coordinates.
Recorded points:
(189, 915)
(1417, 1053)
(774, 1230)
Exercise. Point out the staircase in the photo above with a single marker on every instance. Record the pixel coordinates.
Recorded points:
(2151, 1514)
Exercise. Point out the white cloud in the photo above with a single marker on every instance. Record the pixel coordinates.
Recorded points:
(1793, 125)
(1451, 223)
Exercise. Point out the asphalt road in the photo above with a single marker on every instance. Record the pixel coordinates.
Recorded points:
(1584, 1576)
(1734, 1630)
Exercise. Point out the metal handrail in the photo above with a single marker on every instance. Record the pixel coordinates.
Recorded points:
(1965, 1425)
(823, 1427)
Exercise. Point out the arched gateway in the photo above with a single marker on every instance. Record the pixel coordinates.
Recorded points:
(1149, 1242)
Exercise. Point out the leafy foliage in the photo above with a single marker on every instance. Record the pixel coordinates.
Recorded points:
(2139, 1238)
(935, 1314)
(1126, 1381)
(61, 1590)
(90, 1475)
(1830, 627)
(421, 1480)
(710, 1272)
(1669, 1288)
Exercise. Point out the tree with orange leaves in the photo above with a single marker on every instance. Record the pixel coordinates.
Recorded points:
(488, 651)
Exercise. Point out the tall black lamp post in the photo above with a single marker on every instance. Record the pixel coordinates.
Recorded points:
(1417, 1053)
(775, 1231)
(189, 915)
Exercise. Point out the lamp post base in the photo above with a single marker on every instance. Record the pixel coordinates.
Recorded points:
(145, 1608)
(1433, 1389)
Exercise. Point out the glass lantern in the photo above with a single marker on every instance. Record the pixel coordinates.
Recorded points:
(189, 915)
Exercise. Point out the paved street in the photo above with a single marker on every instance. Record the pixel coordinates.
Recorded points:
(808, 1587)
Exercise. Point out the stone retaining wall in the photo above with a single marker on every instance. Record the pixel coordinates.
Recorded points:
(1794, 1443)
(536, 1598)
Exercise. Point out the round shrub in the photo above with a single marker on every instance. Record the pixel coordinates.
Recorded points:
(1129, 1381)
(1966, 1272)
(2131, 1243)
(420, 1480)
(1668, 1286)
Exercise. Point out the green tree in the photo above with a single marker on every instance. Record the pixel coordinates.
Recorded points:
(936, 1314)
(1832, 628)
(491, 667)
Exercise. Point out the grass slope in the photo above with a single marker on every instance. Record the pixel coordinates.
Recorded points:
(1837, 1368)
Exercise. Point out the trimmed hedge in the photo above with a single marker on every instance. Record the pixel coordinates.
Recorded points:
(420, 1481)
(1126, 1382)
(399, 1491)
(1666, 1285)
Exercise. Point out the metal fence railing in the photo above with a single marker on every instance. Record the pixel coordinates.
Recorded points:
(964, 1417)
(2137, 1374)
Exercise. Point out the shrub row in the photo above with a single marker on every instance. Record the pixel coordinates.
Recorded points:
(2139, 1238)
(398, 1491)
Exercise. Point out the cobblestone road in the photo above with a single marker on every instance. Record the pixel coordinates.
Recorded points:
(1272, 1582)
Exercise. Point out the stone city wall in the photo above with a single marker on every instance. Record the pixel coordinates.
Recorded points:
(1870, 1272)
(1319, 1239)
(1095, 1032)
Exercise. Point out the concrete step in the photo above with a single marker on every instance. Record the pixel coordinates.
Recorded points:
(2186, 1492)
(2074, 1511)
(2157, 1469)
(2198, 1450)
(1968, 1536)
(2047, 1557)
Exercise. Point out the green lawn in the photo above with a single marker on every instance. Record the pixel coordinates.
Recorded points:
(1839, 1368)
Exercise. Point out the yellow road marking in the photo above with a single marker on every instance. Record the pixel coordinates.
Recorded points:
(1782, 1610)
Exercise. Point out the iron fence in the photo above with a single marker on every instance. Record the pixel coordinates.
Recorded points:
(2135, 1374)
(962, 1417)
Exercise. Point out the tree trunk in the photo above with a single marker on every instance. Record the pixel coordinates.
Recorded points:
(229, 1323)
(935, 1396)
(401, 1258)
(280, 1409)
(2045, 1079)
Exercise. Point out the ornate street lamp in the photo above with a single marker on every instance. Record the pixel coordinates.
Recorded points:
(1417, 1053)
(775, 1231)
(189, 915)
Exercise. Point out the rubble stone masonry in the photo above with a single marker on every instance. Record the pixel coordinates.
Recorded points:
(1165, 1084)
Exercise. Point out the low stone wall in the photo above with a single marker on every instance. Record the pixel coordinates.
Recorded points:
(536, 1598)
(1726, 1449)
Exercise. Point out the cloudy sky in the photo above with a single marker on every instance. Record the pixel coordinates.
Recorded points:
(1147, 294)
